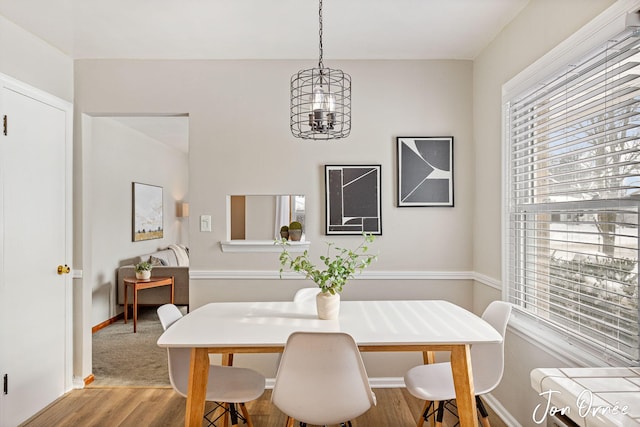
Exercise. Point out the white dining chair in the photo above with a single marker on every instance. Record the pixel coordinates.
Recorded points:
(168, 315)
(321, 380)
(306, 295)
(434, 383)
(226, 386)
(303, 296)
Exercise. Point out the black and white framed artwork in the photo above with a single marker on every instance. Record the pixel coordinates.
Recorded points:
(352, 196)
(425, 171)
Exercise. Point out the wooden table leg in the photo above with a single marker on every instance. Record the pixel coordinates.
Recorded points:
(463, 383)
(428, 358)
(172, 289)
(126, 309)
(227, 360)
(198, 376)
(135, 307)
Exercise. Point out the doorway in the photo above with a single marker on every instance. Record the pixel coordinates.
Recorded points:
(121, 150)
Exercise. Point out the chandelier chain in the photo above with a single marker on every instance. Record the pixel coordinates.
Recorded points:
(320, 63)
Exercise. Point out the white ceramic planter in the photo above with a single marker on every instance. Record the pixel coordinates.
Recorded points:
(143, 275)
(328, 305)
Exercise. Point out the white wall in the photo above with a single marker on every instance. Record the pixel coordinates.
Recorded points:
(120, 156)
(536, 30)
(30, 60)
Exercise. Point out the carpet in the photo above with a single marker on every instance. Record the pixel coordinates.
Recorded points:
(122, 358)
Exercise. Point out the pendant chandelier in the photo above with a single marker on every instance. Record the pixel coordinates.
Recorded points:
(320, 101)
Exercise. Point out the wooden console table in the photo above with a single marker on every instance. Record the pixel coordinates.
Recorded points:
(139, 284)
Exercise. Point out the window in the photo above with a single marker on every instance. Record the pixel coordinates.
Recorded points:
(573, 197)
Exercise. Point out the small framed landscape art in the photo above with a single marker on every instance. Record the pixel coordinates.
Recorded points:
(352, 197)
(147, 212)
(425, 171)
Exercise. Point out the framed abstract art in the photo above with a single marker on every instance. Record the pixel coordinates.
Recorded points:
(425, 171)
(352, 196)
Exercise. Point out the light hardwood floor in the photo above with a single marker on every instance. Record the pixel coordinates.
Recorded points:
(157, 407)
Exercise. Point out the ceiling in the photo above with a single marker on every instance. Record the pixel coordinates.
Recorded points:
(264, 29)
(259, 29)
(169, 130)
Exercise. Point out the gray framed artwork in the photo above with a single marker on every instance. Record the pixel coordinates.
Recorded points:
(352, 199)
(425, 171)
(147, 212)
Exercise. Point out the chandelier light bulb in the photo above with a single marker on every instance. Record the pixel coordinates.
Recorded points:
(318, 99)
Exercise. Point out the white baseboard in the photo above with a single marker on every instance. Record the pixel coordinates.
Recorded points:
(77, 383)
(376, 382)
(500, 410)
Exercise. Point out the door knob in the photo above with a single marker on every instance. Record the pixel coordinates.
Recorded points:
(64, 269)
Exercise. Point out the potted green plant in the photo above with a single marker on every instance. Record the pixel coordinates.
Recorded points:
(338, 266)
(295, 231)
(284, 232)
(143, 270)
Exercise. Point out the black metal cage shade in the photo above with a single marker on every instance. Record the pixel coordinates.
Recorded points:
(310, 121)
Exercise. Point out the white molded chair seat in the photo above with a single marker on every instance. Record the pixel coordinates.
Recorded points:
(226, 384)
(306, 295)
(321, 379)
(434, 382)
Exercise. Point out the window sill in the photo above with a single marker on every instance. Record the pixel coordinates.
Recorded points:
(560, 345)
(261, 246)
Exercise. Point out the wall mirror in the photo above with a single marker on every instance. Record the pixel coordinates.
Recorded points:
(259, 217)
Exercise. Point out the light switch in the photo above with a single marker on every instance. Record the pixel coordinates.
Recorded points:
(205, 222)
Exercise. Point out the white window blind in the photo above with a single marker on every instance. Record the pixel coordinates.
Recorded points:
(574, 193)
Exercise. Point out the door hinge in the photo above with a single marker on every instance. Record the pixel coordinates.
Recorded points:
(4, 124)
(5, 386)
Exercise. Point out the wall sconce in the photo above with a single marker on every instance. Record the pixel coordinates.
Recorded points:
(182, 210)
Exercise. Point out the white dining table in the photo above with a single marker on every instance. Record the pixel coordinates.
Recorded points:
(263, 327)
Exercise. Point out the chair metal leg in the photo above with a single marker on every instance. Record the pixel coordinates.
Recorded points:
(484, 415)
(233, 413)
(216, 414)
(440, 414)
(222, 412)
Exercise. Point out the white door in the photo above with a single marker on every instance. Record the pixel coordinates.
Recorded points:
(35, 301)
